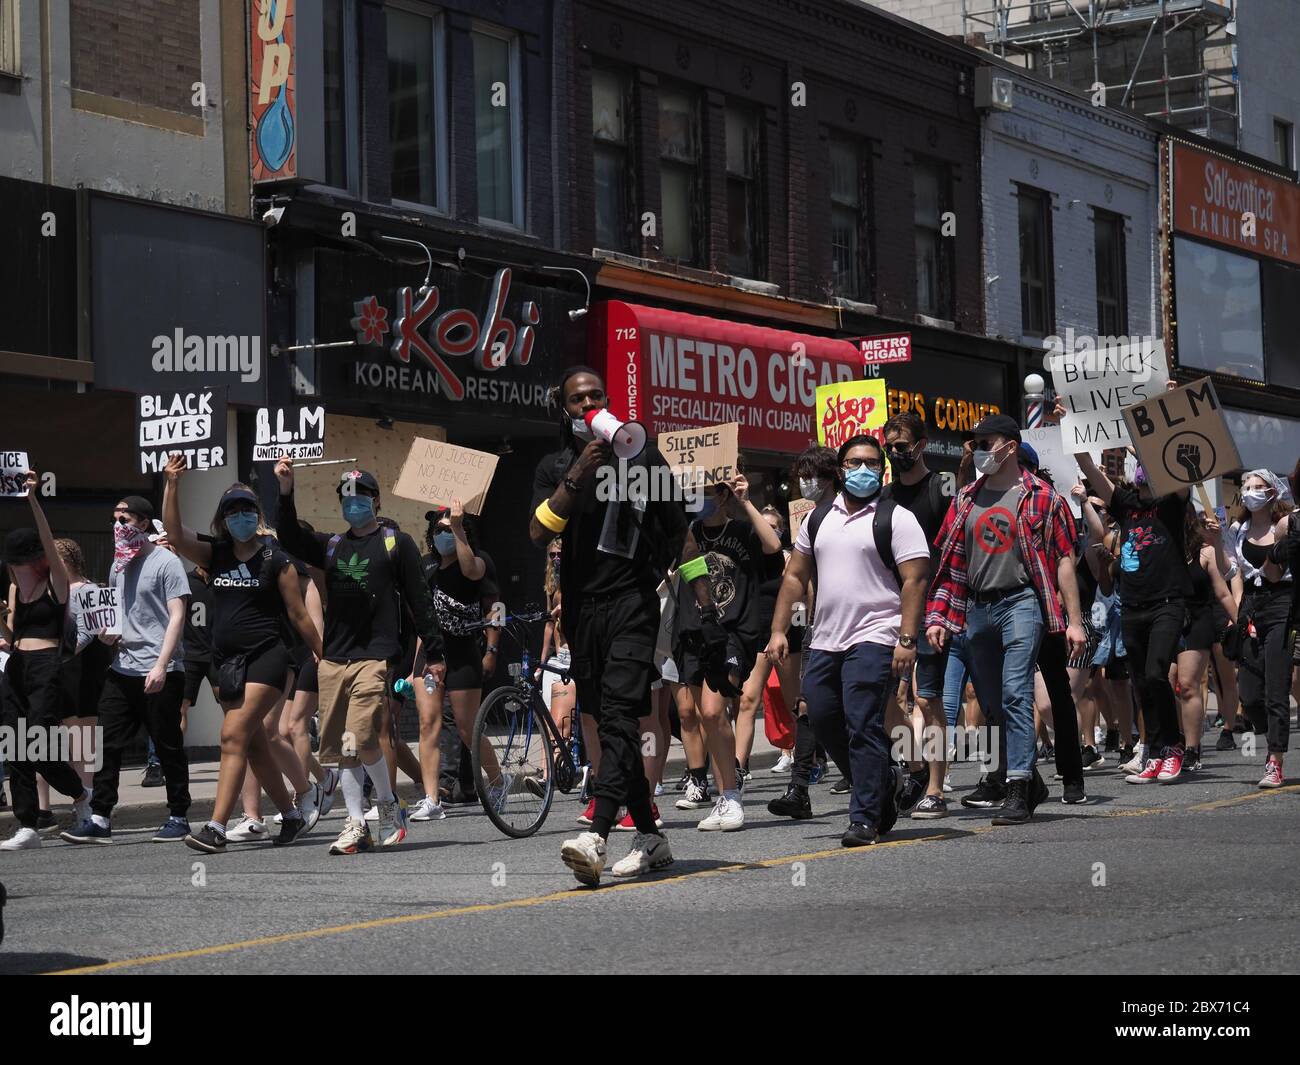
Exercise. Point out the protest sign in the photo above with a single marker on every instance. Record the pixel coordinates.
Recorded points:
(799, 511)
(1053, 458)
(1096, 383)
(1182, 437)
(97, 609)
(702, 457)
(437, 472)
(13, 470)
(298, 432)
(848, 408)
(189, 423)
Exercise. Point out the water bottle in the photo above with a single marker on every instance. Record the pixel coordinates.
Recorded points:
(429, 684)
(402, 687)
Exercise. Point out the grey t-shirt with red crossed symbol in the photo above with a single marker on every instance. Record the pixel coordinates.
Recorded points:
(994, 562)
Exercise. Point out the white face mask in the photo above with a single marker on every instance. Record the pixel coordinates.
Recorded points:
(987, 462)
(581, 430)
(1256, 499)
(810, 487)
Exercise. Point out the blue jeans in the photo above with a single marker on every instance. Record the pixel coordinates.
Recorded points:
(846, 692)
(954, 677)
(1003, 639)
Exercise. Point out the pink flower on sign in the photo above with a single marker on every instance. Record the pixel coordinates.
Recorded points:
(371, 321)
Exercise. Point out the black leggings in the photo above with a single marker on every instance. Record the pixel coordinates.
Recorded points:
(1052, 655)
(1264, 673)
(1151, 637)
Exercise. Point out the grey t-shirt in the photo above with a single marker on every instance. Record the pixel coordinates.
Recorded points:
(993, 559)
(144, 588)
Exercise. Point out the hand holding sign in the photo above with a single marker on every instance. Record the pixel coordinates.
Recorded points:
(175, 468)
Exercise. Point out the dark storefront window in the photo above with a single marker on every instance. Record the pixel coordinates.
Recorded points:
(1037, 310)
(338, 23)
(611, 159)
(415, 116)
(496, 121)
(850, 219)
(932, 190)
(1281, 285)
(1112, 276)
(745, 215)
(1220, 320)
(1284, 143)
(679, 175)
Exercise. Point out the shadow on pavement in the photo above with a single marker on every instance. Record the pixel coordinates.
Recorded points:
(33, 964)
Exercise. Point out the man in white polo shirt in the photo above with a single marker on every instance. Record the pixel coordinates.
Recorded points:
(875, 566)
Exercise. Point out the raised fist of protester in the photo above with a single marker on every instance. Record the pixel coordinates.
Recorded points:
(457, 514)
(284, 474)
(176, 467)
(740, 487)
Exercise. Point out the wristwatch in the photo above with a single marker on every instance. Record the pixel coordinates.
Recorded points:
(907, 643)
(571, 485)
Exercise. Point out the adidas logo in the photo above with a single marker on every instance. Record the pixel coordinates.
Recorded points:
(236, 578)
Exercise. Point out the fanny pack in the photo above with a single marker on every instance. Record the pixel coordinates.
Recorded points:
(232, 674)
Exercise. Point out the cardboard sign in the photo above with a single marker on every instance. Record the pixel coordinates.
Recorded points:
(97, 609)
(799, 511)
(298, 432)
(437, 472)
(13, 470)
(893, 347)
(190, 423)
(1053, 457)
(849, 408)
(704, 456)
(1182, 437)
(1096, 384)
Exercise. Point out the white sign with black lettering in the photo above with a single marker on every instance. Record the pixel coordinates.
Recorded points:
(1096, 383)
(295, 432)
(97, 609)
(13, 472)
(190, 423)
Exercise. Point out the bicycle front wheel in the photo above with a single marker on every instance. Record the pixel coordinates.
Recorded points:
(512, 762)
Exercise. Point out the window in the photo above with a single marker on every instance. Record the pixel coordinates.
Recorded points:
(850, 236)
(1284, 143)
(1112, 277)
(744, 194)
(1220, 319)
(340, 93)
(932, 191)
(10, 57)
(611, 160)
(1037, 309)
(496, 123)
(415, 115)
(1280, 284)
(679, 176)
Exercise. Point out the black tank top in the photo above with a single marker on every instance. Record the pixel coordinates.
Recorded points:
(41, 619)
(1202, 590)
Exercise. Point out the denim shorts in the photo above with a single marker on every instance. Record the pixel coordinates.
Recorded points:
(931, 667)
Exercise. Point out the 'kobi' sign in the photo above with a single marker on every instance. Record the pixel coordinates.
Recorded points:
(192, 424)
(1096, 379)
(293, 432)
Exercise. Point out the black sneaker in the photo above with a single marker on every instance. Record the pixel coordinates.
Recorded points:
(1015, 810)
(45, 820)
(913, 792)
(208, 840)
(1046, 752)
(1225, 741)
(794, 803)
(858, 835)
(1092, 760)
(1037, 792)
(1192, 759)
(153, 776)
(1126, 754)
(1112, 741)
(681, 784)
(841, 786)
(2, 913)
(987, 794)
(742, 777)
(1074, 795)
(290, 829)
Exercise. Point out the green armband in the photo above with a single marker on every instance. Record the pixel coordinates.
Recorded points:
(696, 567)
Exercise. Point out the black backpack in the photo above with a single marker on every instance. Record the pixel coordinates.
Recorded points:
(882, 530)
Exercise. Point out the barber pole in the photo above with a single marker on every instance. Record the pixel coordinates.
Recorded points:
(1035, 399)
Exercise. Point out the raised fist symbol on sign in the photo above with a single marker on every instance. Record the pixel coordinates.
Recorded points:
(1188, 456)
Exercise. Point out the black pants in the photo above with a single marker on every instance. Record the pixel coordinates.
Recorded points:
(1052, 657)
(33, 699)
(123, 709)
(613, 666)
(1264, 673)
(1151, 636)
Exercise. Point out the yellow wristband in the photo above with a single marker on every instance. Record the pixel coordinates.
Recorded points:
(548, 517)
(696, 567)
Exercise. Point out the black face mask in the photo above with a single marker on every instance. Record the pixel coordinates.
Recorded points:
(901, 461)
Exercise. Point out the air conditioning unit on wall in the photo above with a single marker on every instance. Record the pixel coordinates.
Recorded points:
(993, 91)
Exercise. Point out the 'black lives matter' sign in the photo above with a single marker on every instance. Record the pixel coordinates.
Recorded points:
(189, 423)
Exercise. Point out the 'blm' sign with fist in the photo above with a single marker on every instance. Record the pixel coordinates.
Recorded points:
(1182, 438)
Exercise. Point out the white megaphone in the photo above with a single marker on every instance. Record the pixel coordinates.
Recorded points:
(626, 438)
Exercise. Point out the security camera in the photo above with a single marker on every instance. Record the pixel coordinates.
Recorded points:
(574, 315)
(273, 216)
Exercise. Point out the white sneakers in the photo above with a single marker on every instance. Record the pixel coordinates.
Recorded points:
(427, 810)
(728, 816)
(648, 852)
(249, 830)
(392, 825)
(1138, 761)
(585, 855)
(783, 764)
(329, 791)
(26, 839)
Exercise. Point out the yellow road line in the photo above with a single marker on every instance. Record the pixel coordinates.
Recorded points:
(635, 885)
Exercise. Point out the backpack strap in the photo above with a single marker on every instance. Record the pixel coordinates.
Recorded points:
(882, 529)
(331, 547)
(813, 523)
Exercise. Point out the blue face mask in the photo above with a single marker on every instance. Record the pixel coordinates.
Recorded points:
(242, 525)
(862, 482)
(708, 508)
(358, 510)
(444, 543)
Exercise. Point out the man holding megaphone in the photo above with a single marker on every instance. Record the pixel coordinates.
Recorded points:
(615, 553)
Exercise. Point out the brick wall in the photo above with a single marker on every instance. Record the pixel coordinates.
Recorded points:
(943, 16)
(145, 51)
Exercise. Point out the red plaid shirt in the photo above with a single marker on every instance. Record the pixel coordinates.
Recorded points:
(1045, 531)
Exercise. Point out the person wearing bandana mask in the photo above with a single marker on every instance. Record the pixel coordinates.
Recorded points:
(1006, 575)
(145, 685)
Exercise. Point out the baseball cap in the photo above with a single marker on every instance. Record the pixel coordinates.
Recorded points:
(362, 480)
(236, 495)
(139, 505)
(997, 425)
(23, 546)
(1028, 456)
(437, 514)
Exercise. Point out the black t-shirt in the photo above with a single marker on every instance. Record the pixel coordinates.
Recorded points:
(198, 621)
(247, 610)
(1153, 555)
(736, 562)
(457, 599)
(772, 570)
(928, 505)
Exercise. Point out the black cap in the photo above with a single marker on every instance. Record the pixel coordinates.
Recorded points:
(237, 495)
(138, 505)
(998, 425)
(437, 514)
(362, 479)
(23, 546)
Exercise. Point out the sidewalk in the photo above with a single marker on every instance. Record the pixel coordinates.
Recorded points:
(137, 806)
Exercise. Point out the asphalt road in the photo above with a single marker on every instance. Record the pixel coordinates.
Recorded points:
(1196, 877)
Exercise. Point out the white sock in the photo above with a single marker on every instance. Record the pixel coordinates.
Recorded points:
(378, 774)
(733, 795)
(100, 820)
(353, 792)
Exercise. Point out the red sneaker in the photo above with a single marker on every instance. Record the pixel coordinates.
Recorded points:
(1172, 766)
(626, 824)
(1150, 772)
(585, 817)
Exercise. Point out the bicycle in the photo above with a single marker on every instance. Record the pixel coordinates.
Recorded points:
(527, 758)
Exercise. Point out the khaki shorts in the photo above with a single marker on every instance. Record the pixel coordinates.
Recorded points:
(351, 708)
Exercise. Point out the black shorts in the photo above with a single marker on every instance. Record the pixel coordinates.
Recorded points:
(794, 638)
(195, 674)
(271, 667)
(1117, 669)
(690, 667)
(305, 678)
(1199, 633)
(464, 663)
(90, 672)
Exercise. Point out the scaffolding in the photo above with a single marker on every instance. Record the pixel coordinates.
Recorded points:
(1173, 60)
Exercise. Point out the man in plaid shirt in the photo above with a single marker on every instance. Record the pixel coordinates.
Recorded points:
(1006, 576)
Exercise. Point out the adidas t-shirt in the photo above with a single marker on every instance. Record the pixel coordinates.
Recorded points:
(247, 610)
